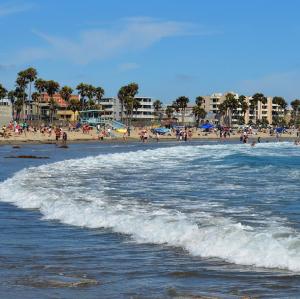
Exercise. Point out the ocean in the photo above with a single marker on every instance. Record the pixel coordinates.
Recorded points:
(156, 220)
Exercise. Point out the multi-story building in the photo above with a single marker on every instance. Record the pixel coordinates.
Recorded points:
(262, 111)
(109, 108)
(146, 109)
(5, 112)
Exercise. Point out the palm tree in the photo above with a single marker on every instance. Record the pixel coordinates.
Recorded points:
(66, 93)
(82, 91)
(244, 107)
(157, 104)
(19, 95)
(222, 108)
(74, 106)
(231, 104)
(99, 93)
(52, 108)
(281, 102)
(256, 98)
(296, 107)
(31, 75)
(199, 101)
(21, 84)
(181, 103)
(136, 105)
(35, 97)
(169, 111)
(199, 113)
(52, 87)
(122, 98)
(126, 96)
(40, 86)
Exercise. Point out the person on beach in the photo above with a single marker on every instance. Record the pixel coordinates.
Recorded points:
(64, 139)
(157, 136)
(125, 135)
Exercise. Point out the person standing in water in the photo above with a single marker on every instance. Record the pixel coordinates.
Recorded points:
(64, 139)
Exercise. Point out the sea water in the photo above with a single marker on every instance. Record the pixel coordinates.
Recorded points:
(151, 221)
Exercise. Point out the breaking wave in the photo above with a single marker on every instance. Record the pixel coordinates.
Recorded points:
(177, 196)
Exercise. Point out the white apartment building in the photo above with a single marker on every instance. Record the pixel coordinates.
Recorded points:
(146, 110)
(267, 111)
(111, 109)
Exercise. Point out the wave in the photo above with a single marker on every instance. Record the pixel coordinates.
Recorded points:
(80, 192)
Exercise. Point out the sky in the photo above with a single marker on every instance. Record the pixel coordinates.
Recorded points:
(169, 47)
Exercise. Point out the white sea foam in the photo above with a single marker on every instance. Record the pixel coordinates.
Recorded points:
(63, 191)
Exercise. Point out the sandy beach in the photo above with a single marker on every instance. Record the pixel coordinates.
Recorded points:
(92, 136)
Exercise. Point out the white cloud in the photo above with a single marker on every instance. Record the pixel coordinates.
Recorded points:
(125, 36)
(127, 66)
(12, 8)
(284, 84)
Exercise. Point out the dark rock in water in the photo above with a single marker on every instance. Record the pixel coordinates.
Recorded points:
(16, 146)
(63, 146)
(26, 157)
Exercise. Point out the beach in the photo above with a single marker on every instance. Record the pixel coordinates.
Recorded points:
(31, 137)
(199, 219)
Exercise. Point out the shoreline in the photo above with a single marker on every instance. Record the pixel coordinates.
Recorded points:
(13, 142)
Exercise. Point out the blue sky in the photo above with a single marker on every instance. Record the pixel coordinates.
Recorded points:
(169, 47)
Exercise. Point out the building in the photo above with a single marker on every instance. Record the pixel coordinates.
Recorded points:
(189, 117)
(110, 108)
(146, 110)
(60, 111)
(5, 112)
(262, 111)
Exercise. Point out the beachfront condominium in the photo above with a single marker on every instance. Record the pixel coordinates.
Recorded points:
(145, 111)
(268, 111)
(111, 109)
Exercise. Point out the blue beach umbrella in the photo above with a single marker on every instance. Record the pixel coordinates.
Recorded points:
(207, 126)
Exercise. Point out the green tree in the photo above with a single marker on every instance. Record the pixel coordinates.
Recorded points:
(296, 107)
(126, 96)
(74, 106)
(35, 98)
(256, 98)
(52, 87)
(31, 75)
(82, 91)
(199, 101)
(231, 104)
(21, 84)
(40, 86)
(99, 93)
(244, 107)
(169, 111)
(181, 104)
(157, 105)
(66, 93)
(199, 113)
